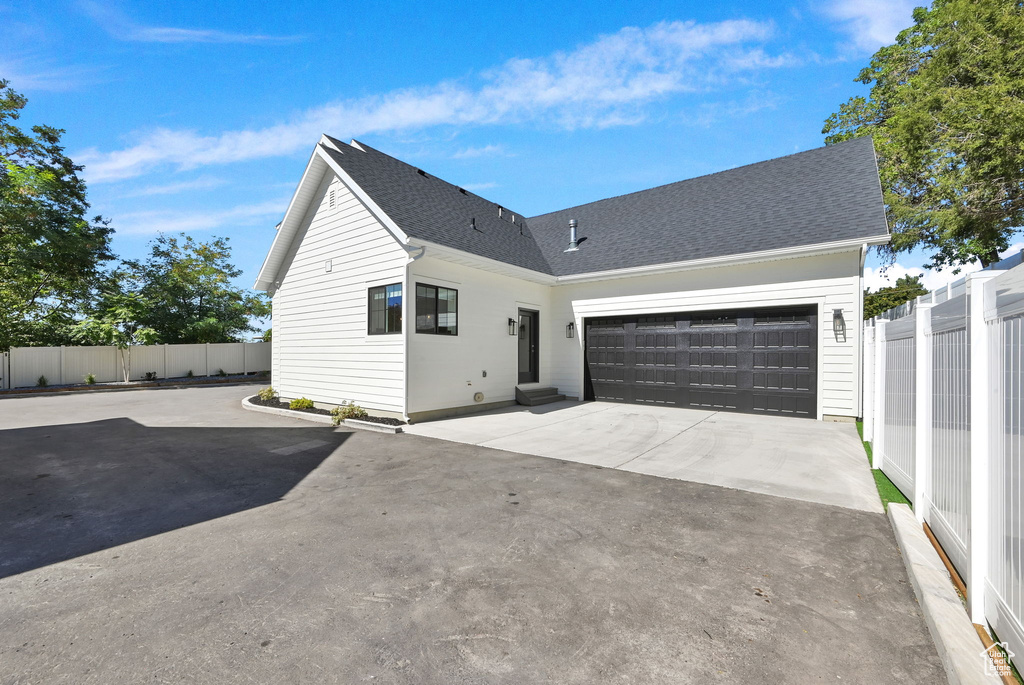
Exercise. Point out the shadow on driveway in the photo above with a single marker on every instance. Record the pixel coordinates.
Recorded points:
(69, 490)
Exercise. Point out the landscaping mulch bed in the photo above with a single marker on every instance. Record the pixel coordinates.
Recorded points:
(281, 404)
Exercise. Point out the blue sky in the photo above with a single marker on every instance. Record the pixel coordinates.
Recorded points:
(199, 117)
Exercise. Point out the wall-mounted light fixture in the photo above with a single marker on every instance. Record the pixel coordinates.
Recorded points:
(570, 329)
(838, 325)
(512, 325)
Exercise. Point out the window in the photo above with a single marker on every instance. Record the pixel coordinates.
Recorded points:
(385, 309)
(783, 316)
(713, 320)
(437, 310)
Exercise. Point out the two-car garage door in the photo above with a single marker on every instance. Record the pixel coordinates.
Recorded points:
(751, 360)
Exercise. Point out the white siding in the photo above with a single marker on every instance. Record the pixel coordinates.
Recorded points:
(321, 349)
(829, 281)
(445, 371)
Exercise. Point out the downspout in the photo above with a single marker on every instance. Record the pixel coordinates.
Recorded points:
(405, 324)
(860, 333)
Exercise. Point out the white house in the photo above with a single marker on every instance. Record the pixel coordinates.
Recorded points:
(415, 298)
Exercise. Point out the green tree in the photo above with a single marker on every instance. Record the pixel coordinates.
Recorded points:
(115, 321)
(189, 294)
(50, 252)
(906, 289)
(946, 112)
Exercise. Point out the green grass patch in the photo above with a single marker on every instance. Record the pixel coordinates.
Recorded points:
(887, 492)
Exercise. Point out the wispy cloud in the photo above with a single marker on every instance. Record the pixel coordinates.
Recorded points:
(485, 151)
(177, 221)
(871, 24)
(933, 279)
(24, 76)
(121, 27)
(603, 83)
(202, 183)
(479, 186)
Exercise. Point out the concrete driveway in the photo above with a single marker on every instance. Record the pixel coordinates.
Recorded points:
(812, 461)
(168, 536)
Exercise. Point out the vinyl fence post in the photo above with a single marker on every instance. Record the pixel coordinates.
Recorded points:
(981, 387)
(878, 443)
(207, 359)
(923, 408)
(60, 375)
(868, 383)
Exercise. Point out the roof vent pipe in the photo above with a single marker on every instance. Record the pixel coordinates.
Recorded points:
(573, 243)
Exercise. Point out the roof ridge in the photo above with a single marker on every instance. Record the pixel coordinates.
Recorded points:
(696, 178)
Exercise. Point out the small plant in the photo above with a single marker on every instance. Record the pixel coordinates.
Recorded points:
(220, 372)
(190, 374)
(267, 394)
(301, 403)
(42, 382)
(151, 375)
(90, 379)
(347, 411)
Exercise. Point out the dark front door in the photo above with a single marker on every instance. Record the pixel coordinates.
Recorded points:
(528, 343)
(749, 360)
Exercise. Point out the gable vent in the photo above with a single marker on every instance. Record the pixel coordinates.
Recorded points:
(330, 199)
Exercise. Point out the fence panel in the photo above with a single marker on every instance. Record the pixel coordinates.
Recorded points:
(29, 363)
(257, 357)
(227, 357)
(184, 358)
(147, 359)
(102, 362)
(898, 417)
(948, 489)
(1004, 591)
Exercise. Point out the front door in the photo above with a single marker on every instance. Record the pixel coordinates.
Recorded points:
(528, 343)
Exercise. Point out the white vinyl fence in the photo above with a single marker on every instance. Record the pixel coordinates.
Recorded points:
(22, 366)
(944, 412)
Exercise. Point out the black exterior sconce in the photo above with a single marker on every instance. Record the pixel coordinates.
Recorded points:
(570, 329)
(512, 325)
(838, 325)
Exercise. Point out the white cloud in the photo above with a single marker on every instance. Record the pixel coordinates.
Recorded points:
(933, 279)
(25, 77)
(122, 28)
(480, 186)
(872, 23)
(603, 83)
(485, 151)
(176, 221)
(202, 183)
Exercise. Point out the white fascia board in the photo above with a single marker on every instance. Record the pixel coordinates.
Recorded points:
(372, 206)
(267, 275)
(727, 260)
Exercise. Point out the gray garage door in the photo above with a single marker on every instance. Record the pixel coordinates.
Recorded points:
(760, 361)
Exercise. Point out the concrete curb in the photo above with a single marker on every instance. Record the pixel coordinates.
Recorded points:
(305, 416)
(956, 641)
(371, 426)
(100, 388)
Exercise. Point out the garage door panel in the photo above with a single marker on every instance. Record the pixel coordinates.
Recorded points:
(757, 360)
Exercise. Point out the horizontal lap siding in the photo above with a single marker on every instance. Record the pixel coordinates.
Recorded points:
(832, 281)
(321, 348)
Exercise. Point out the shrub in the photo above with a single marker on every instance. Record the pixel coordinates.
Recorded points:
(151, 375)
(90, 379)
(42, 382)
(347, 411)
(220, 372)
(301, 403)
(267, 394)
(190, 374)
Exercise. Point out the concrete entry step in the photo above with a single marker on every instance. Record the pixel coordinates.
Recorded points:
(533, 394)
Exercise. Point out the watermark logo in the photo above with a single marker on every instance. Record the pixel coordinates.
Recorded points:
(997, 661)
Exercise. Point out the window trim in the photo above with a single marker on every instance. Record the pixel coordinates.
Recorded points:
(437, 289)
(369, 308)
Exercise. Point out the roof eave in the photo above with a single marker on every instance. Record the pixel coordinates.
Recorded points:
(727, 260)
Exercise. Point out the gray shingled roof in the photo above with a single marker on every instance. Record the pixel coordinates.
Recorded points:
(428, 208)
(823, 195)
